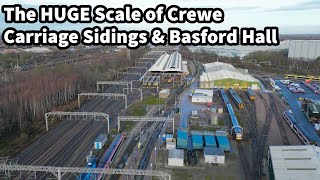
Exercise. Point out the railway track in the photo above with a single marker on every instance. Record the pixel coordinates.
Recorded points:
(67, 135)
(249, 112)
(278, 113)
(144, 161)
(262, 142)
(128, 151)
(244, 161)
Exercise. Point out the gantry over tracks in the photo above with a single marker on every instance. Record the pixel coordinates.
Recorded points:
(59, 172)
(140, 118)
(83, 114)
(123, 83)
(115, 95)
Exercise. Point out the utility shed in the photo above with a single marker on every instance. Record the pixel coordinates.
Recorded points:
(171, 145)
(214, 155)
(207, 92)
(210, 141)
(175, 157)
(223, 142)
(100, 141)
(200, 98)
(164, 93)
(294, 162)
(182, 139)
(197, 141)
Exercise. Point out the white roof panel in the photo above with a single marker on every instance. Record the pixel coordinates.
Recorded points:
(219, 70)
(160, 64)
(295, 162)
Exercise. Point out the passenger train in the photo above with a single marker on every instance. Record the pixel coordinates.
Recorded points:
(236, 128)
(236, 99)
(298, 129)
(251, 94)
(110, 153)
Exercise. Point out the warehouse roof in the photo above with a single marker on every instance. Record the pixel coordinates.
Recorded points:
(213, 151)
(295, 162)
(101, 137)
(218, 71)
(160, 64)
(167, 63)
(176, 153)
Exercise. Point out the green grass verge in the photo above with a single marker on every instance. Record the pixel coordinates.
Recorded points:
(152, 100)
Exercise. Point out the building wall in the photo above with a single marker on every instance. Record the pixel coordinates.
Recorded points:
(306, 50)
(214, 159)
(201, 99)
(227, 83)
(175, 162)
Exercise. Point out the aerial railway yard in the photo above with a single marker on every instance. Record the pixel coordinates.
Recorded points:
(250, 121)
(69, 142)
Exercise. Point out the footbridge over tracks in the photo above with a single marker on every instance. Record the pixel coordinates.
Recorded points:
(140, 118)
(123, 83)
(115, 95)
(59, 172)
(84, 115)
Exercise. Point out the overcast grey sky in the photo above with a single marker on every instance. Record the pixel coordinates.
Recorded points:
(291, 16)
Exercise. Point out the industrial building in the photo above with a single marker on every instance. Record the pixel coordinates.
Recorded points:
(200, 98)
(100, 141)
(164, 93)
(176, 157)
(214, 155)
(307, 50)
(169, 66)
(294, 162)
(167, 63)
(223, 75)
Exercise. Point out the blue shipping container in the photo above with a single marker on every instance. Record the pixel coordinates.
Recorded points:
(182, 139)
(197, 141)
(223, 142)
(210, 141)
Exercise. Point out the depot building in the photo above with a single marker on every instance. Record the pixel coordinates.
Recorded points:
(223, 75)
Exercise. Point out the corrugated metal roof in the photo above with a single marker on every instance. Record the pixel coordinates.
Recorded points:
(218, 71)
(101, 137)
(161, 63)
(295, 162)
(176, 153)
(167, 63)
(213, 151)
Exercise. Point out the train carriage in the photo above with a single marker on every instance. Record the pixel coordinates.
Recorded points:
(236, 128)
(92, 163)
(251, 94)
(236, 99)
(110, 153)
(297, 128)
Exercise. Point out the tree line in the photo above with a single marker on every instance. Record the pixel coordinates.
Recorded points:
(27, 96)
